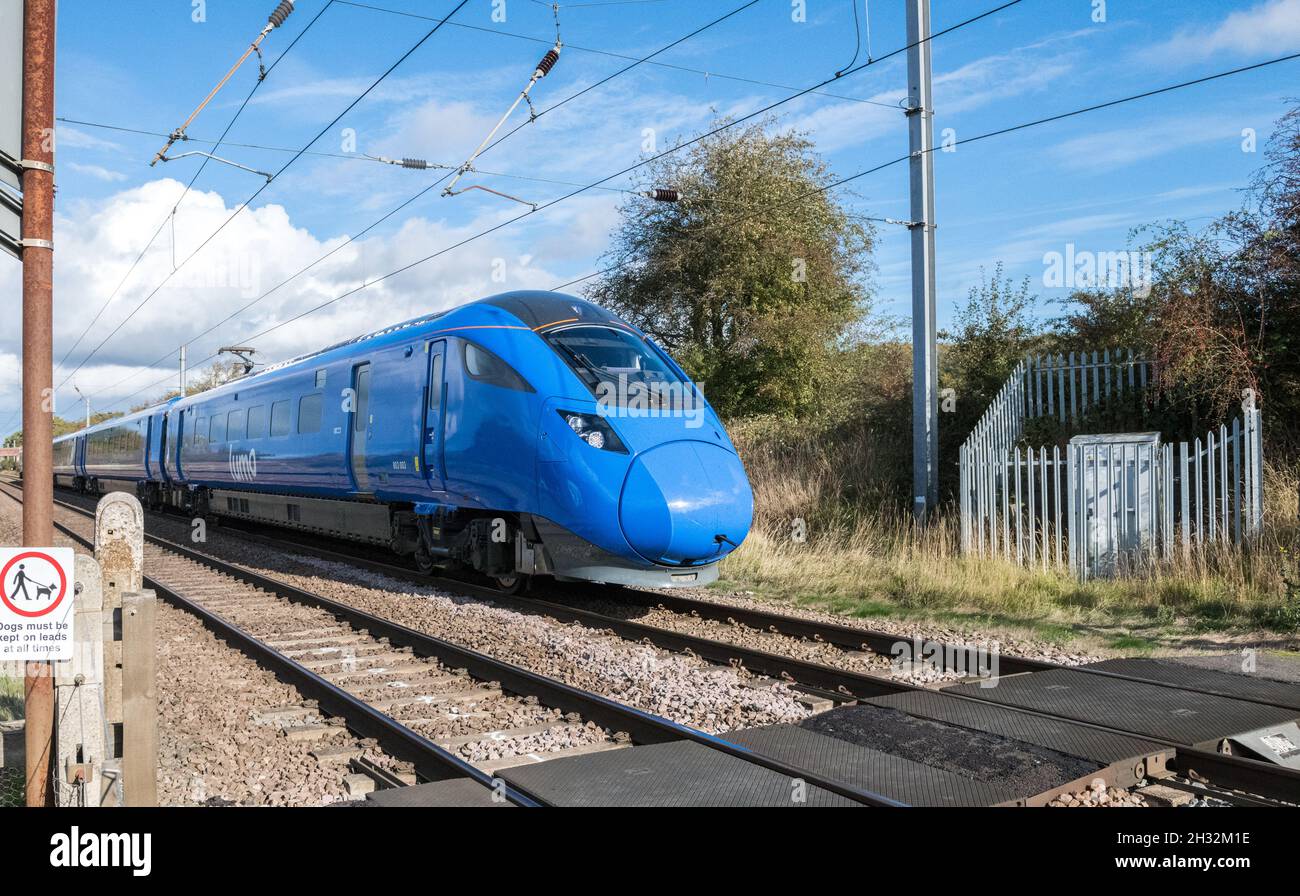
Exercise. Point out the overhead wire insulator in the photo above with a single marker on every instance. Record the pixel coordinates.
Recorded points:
(663, 195)
(281, 12)
(548, 62)
(414, 164)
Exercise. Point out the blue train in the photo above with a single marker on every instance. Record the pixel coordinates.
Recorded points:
(529, 433)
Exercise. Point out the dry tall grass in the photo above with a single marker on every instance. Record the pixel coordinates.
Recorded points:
(859, 558)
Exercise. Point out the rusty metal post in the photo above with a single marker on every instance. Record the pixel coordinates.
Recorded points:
(38, 354)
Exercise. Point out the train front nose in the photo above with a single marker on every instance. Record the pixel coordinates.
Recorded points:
(685, 503)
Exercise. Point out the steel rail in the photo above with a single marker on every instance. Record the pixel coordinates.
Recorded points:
(952, 656)
(643, 727)
(1231, 772)
(853, 638)
(432, 762)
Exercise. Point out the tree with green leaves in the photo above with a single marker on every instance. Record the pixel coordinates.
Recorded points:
(754, 280)
(220, 373)
(991, 333)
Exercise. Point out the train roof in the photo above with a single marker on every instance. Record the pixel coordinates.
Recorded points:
(534, 309)
(118, 421)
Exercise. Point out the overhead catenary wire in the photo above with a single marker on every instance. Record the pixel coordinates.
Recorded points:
(822, 188)
(509, 221)
(577, 48)
(850, 178)
(677, 42)
(857, 39)
(408, 163)
(975, 139)
(596, 185)
(172, 215)
(297, 155)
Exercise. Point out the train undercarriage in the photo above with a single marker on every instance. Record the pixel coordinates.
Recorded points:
(509, 548)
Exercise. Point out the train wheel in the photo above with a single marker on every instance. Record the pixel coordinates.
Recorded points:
(424, 562)
(515, 583)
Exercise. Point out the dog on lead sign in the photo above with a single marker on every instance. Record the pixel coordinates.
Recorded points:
(36, 603)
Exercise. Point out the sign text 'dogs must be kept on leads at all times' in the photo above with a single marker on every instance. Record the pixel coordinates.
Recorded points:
(36, 604)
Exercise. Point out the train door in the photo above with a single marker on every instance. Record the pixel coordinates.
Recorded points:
(148, 444)
(361, 428)
(162, 447)
(178, 442)
(431, 459)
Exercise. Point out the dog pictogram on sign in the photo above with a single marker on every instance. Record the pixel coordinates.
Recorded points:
(36, 603)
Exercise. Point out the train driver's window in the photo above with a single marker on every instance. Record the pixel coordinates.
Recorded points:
(280, 418)
(309, 407)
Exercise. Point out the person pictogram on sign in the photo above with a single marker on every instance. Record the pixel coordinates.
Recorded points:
(20, 584)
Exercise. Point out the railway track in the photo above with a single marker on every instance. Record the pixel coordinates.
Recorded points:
(449, 711)
(1233, 778)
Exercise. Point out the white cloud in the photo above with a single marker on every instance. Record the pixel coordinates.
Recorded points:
(260, 249)
(97, 171)
(989, 79)
(1104, 151)
(68, 137)
(1271, 27)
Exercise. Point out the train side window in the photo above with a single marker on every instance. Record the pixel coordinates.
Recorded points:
(257, 422)
(320, 378)
(235, 425)
(199, 437)
(309, 407)
(435, 383)
(486, 367)
(280, 418)
(218, 433)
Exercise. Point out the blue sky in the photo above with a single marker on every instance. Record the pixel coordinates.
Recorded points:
(1084, 182)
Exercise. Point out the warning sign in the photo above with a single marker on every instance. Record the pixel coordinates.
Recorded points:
(36, 604)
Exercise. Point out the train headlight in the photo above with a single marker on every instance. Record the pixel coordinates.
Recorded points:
(594, 430)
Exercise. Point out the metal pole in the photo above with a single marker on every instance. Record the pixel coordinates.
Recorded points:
(86, 400)
(38, 355)
(925, 377)
(182, 371)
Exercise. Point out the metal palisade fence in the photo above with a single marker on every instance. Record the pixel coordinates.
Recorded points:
(1102, 504)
